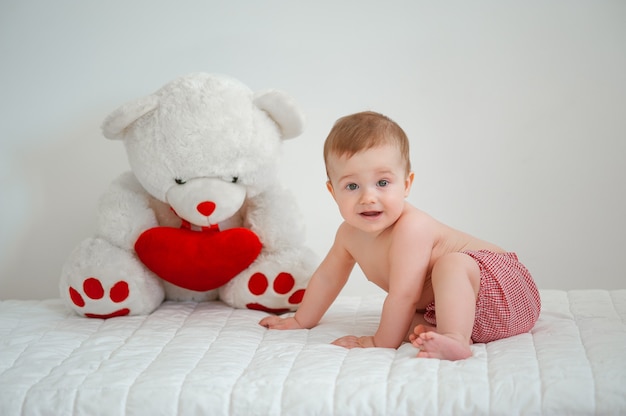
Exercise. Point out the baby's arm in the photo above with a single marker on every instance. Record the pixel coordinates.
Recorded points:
(323, 288)
(409, 257)
(393, 326)
(397, 315)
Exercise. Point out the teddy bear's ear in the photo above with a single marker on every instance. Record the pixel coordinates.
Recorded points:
(283, 110)
(119, 120)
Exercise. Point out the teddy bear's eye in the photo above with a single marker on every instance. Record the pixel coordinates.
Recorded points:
(179, 181)
(235, 179)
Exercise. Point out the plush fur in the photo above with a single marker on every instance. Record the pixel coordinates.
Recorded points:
(201, 214)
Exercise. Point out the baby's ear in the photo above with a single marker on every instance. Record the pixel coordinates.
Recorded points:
(330, 188)
(408, 183)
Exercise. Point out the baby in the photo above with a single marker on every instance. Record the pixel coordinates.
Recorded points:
(445, 288)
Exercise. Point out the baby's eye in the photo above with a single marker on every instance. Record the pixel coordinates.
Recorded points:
(352, 187)
(179, 181)
(383, 183)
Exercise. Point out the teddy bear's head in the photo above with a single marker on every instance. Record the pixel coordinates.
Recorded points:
(204, 143)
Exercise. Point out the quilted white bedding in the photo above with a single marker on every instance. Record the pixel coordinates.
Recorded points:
(209, 359)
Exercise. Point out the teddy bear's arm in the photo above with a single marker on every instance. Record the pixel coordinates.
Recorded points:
(125, 212)
(274, 216)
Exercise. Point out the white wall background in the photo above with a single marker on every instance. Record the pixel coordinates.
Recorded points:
(516, 112)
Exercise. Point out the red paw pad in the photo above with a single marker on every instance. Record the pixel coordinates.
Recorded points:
(93, 289)
(283, 284)
(258, 284)
(120, 292)
(296, 297)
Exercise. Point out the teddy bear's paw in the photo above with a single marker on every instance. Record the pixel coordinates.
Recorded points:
(275, 283)
(92, 289)
(283, 285)
(100, 280)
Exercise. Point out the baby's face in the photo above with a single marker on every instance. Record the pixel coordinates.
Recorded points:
(369, 187)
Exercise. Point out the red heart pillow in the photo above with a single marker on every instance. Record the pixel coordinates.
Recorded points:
(197, 260)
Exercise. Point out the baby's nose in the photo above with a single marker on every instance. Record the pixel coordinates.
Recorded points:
(368, 196)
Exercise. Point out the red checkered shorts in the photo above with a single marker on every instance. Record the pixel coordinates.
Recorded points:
(508, 301)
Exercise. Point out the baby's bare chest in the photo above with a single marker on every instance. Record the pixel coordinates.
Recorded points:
(373, 260)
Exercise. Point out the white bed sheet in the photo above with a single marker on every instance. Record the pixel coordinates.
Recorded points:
(209, 359)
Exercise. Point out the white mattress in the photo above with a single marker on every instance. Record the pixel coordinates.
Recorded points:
(210, 359)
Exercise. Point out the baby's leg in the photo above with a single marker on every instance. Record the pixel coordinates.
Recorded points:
(456, 280)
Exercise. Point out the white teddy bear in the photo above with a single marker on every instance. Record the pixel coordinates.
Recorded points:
(201, 214)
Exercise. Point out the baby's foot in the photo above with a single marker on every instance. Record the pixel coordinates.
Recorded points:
(442, 346)
(420, 329)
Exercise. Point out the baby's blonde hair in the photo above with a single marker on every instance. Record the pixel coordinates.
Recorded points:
(365, 130)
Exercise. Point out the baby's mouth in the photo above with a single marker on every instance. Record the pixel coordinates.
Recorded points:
(371, 214)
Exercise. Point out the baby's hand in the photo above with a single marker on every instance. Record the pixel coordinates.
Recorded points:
(276, 322)
(350, 341)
